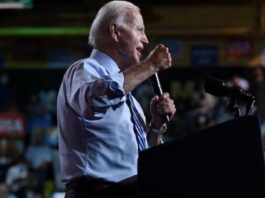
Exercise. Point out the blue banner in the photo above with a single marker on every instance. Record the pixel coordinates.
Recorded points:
(204, 55)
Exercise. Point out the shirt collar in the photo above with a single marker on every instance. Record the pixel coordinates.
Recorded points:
(106, 61)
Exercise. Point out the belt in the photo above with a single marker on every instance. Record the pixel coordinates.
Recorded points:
(83, 188)
(88, 185)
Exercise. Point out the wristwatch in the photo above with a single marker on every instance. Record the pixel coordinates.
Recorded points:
(160, 131)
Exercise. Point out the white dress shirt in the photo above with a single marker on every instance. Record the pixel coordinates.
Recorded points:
(96, 136)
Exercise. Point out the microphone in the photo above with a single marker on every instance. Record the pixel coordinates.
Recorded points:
(155, 82)
(219, 88)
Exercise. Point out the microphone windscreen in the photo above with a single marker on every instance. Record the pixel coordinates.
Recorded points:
(214, 86)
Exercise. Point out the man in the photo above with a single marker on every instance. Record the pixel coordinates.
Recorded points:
(101, 125)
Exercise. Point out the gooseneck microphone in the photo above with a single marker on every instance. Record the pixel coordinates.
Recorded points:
(155, 82)
(219, 88)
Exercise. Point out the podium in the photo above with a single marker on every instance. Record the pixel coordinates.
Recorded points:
(222, 161)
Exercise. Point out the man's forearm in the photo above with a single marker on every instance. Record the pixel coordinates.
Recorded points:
(137, 74)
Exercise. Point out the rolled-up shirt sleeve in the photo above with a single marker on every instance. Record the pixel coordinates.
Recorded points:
(92, 92)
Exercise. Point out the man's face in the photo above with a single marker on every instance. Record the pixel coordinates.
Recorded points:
(132, 39)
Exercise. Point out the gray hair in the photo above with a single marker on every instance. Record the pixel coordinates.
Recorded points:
(113, 11)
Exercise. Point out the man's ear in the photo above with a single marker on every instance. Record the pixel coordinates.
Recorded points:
(114, 31)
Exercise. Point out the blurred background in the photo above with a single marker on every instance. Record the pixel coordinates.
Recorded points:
(39, 39)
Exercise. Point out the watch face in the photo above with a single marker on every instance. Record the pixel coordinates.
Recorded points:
(163, 128)
(160, 131)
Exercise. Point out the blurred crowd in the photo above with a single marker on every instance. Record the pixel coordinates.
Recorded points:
(29, 166)
(28, 144)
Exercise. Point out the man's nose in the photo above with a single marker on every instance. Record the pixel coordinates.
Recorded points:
(145, 39)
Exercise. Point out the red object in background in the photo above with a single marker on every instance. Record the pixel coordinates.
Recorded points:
(12, 124)
(239, 48)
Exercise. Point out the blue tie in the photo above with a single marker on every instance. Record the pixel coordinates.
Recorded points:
(138, 127)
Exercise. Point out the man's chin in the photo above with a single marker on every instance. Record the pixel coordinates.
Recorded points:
(135, 61)
(138, 59)
(142, 57)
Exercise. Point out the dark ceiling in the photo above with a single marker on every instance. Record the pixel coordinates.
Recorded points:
(80, 12)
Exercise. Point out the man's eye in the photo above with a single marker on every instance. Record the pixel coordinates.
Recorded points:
(140, 29)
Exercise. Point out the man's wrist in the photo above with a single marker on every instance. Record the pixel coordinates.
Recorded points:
(158, 131)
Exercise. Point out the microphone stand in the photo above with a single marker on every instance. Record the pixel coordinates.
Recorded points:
(234, 107)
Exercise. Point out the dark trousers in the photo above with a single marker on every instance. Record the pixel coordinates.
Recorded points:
(99, 189)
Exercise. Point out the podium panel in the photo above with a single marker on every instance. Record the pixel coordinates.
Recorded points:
(222, 161)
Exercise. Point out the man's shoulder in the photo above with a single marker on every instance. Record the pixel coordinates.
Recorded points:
(84, 64)
(87, 66)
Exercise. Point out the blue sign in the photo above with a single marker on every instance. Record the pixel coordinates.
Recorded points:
(204, 55)
(175, 47)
